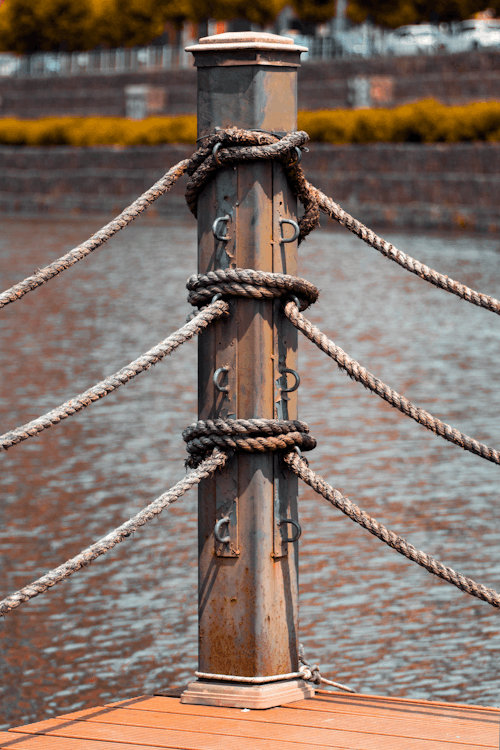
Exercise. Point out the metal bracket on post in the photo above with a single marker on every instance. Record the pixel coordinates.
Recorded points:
(226, 529)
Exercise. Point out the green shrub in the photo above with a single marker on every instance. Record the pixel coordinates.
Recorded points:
(427, 121)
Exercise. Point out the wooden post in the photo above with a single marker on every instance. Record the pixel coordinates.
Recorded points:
(248, 586)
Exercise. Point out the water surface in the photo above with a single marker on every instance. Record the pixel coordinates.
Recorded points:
(127, 625)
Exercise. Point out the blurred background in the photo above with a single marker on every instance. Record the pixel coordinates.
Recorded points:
(97, 101)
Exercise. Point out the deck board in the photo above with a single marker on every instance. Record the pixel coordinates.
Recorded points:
(328, 721)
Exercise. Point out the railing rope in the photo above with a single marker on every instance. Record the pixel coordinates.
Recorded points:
(395, 399)
(197, 324)
(318, 484)
(205, 469)
(99, 238)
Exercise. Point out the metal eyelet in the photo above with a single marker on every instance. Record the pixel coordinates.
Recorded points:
(296, 233)
(220, 523)
(297, 380)
(296, 525)
(216, 377)
(216, 231)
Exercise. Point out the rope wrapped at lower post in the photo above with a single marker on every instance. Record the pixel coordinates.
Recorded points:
(205, 469)
(318, 484)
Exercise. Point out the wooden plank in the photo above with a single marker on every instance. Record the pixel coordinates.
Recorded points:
(317, 730)
(165, 738)
(155, 703)
(13, 740)
(481, 728)
(328, 722)
(207, 734)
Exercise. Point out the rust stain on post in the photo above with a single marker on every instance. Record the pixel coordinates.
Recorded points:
(248, 588)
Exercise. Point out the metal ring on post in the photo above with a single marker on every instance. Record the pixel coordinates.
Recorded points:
(295, 234)
(222, 522)
(299, 157)
(296, 525)
(214, 154)
(297, 380)
(215, 228)
(217, 374)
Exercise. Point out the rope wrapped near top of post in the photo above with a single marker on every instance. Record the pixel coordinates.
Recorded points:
(268, 146)
(248, 145)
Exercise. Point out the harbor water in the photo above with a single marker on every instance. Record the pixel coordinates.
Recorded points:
(127, 625)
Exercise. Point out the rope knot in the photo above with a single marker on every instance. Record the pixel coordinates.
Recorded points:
(246, 282)
(249, 435)
(233, 145)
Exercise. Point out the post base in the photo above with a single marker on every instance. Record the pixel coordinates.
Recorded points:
(242, 695)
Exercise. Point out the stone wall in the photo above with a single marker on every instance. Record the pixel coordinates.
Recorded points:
(435, 186)
(330, 84)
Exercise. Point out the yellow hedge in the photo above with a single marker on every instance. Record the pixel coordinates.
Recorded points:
(424, 122)
(427, 121)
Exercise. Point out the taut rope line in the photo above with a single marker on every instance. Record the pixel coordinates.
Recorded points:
(358, 373)
(200, 321)
(256, 434)
(334, 211)
(99, 238)
(318, 484)
(205, 469)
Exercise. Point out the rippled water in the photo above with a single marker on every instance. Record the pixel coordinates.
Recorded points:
(127, 625)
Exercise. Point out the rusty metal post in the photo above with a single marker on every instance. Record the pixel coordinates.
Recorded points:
(248, 584)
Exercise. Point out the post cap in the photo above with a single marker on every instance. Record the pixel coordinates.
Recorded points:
(245, 40)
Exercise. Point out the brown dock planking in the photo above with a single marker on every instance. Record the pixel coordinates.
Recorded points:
(330, 720)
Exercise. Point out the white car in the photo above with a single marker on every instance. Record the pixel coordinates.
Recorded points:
(424, 38)
(9, 64)
(475, 34)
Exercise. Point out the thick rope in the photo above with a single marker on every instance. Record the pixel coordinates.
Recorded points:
(406, 261)
(300, 467)
(355, 371)
(247, 435)
(248, 145)
(200, 321)
(99, 238)
(207, 468)
(245, 282)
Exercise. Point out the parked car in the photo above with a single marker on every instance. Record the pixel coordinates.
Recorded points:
(423, 38)
(475, 34)
(9, 64)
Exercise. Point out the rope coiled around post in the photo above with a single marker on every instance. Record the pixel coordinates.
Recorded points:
(358, 373)
(205, 469)
(245, 435)
(245, 282)
(199, 322)
(249, 145)
(318, 484)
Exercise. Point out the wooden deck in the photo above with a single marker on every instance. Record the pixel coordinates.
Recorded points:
(329, 720)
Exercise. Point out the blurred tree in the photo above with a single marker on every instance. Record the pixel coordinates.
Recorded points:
(393, 14)
(26, 26)
(314, 11)
(31, 25)
(260, 12)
